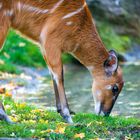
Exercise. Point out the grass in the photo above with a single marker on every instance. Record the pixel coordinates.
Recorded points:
(37, 123)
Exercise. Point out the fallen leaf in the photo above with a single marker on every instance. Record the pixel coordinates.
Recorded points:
(80, 135)
(99, 123)
(37, 111)
(47, 131)
(60, 130)
(22, 105)
(8, 94)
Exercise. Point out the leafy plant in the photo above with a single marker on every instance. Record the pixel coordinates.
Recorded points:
(111, 39)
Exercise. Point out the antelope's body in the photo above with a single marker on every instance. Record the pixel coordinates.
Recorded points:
(65, 26)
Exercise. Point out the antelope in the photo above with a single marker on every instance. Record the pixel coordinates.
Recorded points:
(65, 26)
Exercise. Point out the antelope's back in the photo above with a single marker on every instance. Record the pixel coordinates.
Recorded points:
(29, 16)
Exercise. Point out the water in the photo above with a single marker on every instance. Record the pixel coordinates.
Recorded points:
(38, 90)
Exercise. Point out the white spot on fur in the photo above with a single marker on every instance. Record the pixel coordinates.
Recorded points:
(55, 76)
(0, 5)
(74, 13)
(75, 47)
(43, 37)
(66, 111)
(56, 6)
(69, 23)
(70, 120)
(98, 92)
(30, 8)
(43, 51)
(19, 6)
(108, 87)
(8, 13)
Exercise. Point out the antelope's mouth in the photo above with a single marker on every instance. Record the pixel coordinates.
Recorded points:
(99, 110)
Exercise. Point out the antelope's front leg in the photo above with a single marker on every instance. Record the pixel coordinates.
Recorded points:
(3, 115)
(53, 59)
(61, 101)
(58, 104)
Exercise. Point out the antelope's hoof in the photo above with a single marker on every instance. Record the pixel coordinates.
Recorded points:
(4, 117)
(68, 119)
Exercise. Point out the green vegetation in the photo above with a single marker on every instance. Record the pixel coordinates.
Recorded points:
(111, 39)
(20, 51)
(38, 123)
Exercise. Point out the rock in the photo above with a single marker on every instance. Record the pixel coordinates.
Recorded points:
(123, 14)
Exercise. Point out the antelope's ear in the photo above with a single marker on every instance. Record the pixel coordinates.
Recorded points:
(111, 64)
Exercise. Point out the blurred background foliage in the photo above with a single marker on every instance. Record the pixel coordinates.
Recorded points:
(18, 50)
(117, 22)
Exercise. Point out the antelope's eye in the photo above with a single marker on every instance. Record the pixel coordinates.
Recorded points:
(115, 89)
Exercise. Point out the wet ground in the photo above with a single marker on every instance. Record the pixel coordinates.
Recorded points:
(35, 87)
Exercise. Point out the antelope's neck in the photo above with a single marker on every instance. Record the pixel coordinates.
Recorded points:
(92, 52)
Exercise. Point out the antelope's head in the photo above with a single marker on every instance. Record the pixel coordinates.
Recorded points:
(107, 85)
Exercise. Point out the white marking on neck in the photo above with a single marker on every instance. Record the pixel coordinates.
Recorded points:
(30, 8)
(56, 6)
(75, 12)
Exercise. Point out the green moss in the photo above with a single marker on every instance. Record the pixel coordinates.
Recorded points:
(38, 123)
